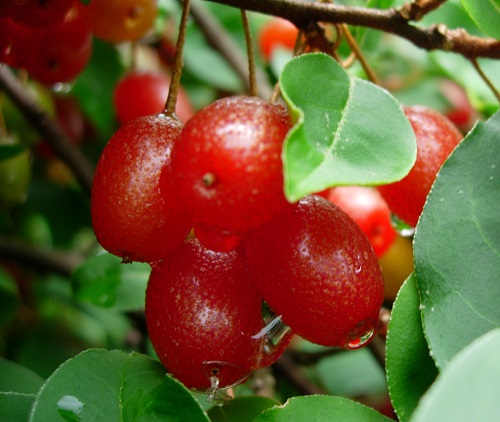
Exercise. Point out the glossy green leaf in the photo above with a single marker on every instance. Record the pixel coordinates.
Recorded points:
(15, 407)
(114, 386)
(321, 408)
(468, 388)
(103, 280)
(18, 379)
(241, 409)
(457, 245)
(486, 14)
(348, 131)
(409, 367)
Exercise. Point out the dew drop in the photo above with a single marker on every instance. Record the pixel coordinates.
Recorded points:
(362, 340)
(70, 408)
(358, 269)
(275, 336)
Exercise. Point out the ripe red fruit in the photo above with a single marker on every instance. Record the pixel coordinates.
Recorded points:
(35, 12)
(460, 110)
(436, 138)
(141, 93)
(368, 209)
(59, 53)
(131, 218)
(227, 164)
(277, 32)
(121, 20)
(202, 313)
(314, 266)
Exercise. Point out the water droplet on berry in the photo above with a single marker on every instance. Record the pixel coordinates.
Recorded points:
(362, 340)
(358, 269)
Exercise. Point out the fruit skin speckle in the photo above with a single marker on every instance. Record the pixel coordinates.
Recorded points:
(131, 218)
(436, 139)
(315, 267)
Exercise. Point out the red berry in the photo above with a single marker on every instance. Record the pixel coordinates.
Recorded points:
(370, 212)
(314, 266)
(59, 53)
(203, 314)
(277, 32)
(227, 164)
(141, 93)
(131, 218)
(436, 138)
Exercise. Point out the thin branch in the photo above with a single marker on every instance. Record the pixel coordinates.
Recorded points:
(63, 263)
(388, 20)
(417, 9)
(48, 128)
(485, 78)
(294, 374)
(220, 40)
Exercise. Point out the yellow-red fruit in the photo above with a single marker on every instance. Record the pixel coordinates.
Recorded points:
(131, 218)
(121, 20)
(436, 138)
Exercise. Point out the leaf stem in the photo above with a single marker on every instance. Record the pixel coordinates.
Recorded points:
(485, 78)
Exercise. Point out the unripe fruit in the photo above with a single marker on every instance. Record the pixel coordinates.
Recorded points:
(203, 314)
(15, 175)
(315, 267)
(436, 138)
(227, 164)
(131, 218)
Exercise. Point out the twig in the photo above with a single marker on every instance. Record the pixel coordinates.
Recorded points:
(63, 263)
(388, 20)
(417, 9)
(485, 78)
(218, 38)
(48, 128)
(294, 374)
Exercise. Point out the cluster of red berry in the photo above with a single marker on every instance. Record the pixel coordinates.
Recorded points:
(221, 174)
(52, 39)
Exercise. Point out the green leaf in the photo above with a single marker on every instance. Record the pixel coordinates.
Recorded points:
(9, 151)
(341, 137)
(114, 386)
(241, 409)
(9, 298)
(15, 407)
(321, 408)
(351, 374)
(457, 245)
(468, 388)
(103, 280)
(486, 13)
(18, 379)
(95, 84)
(409, 367)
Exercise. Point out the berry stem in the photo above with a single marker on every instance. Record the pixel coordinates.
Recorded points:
(178, 63)
(485, 78)
(250, 53)
(353, 45)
